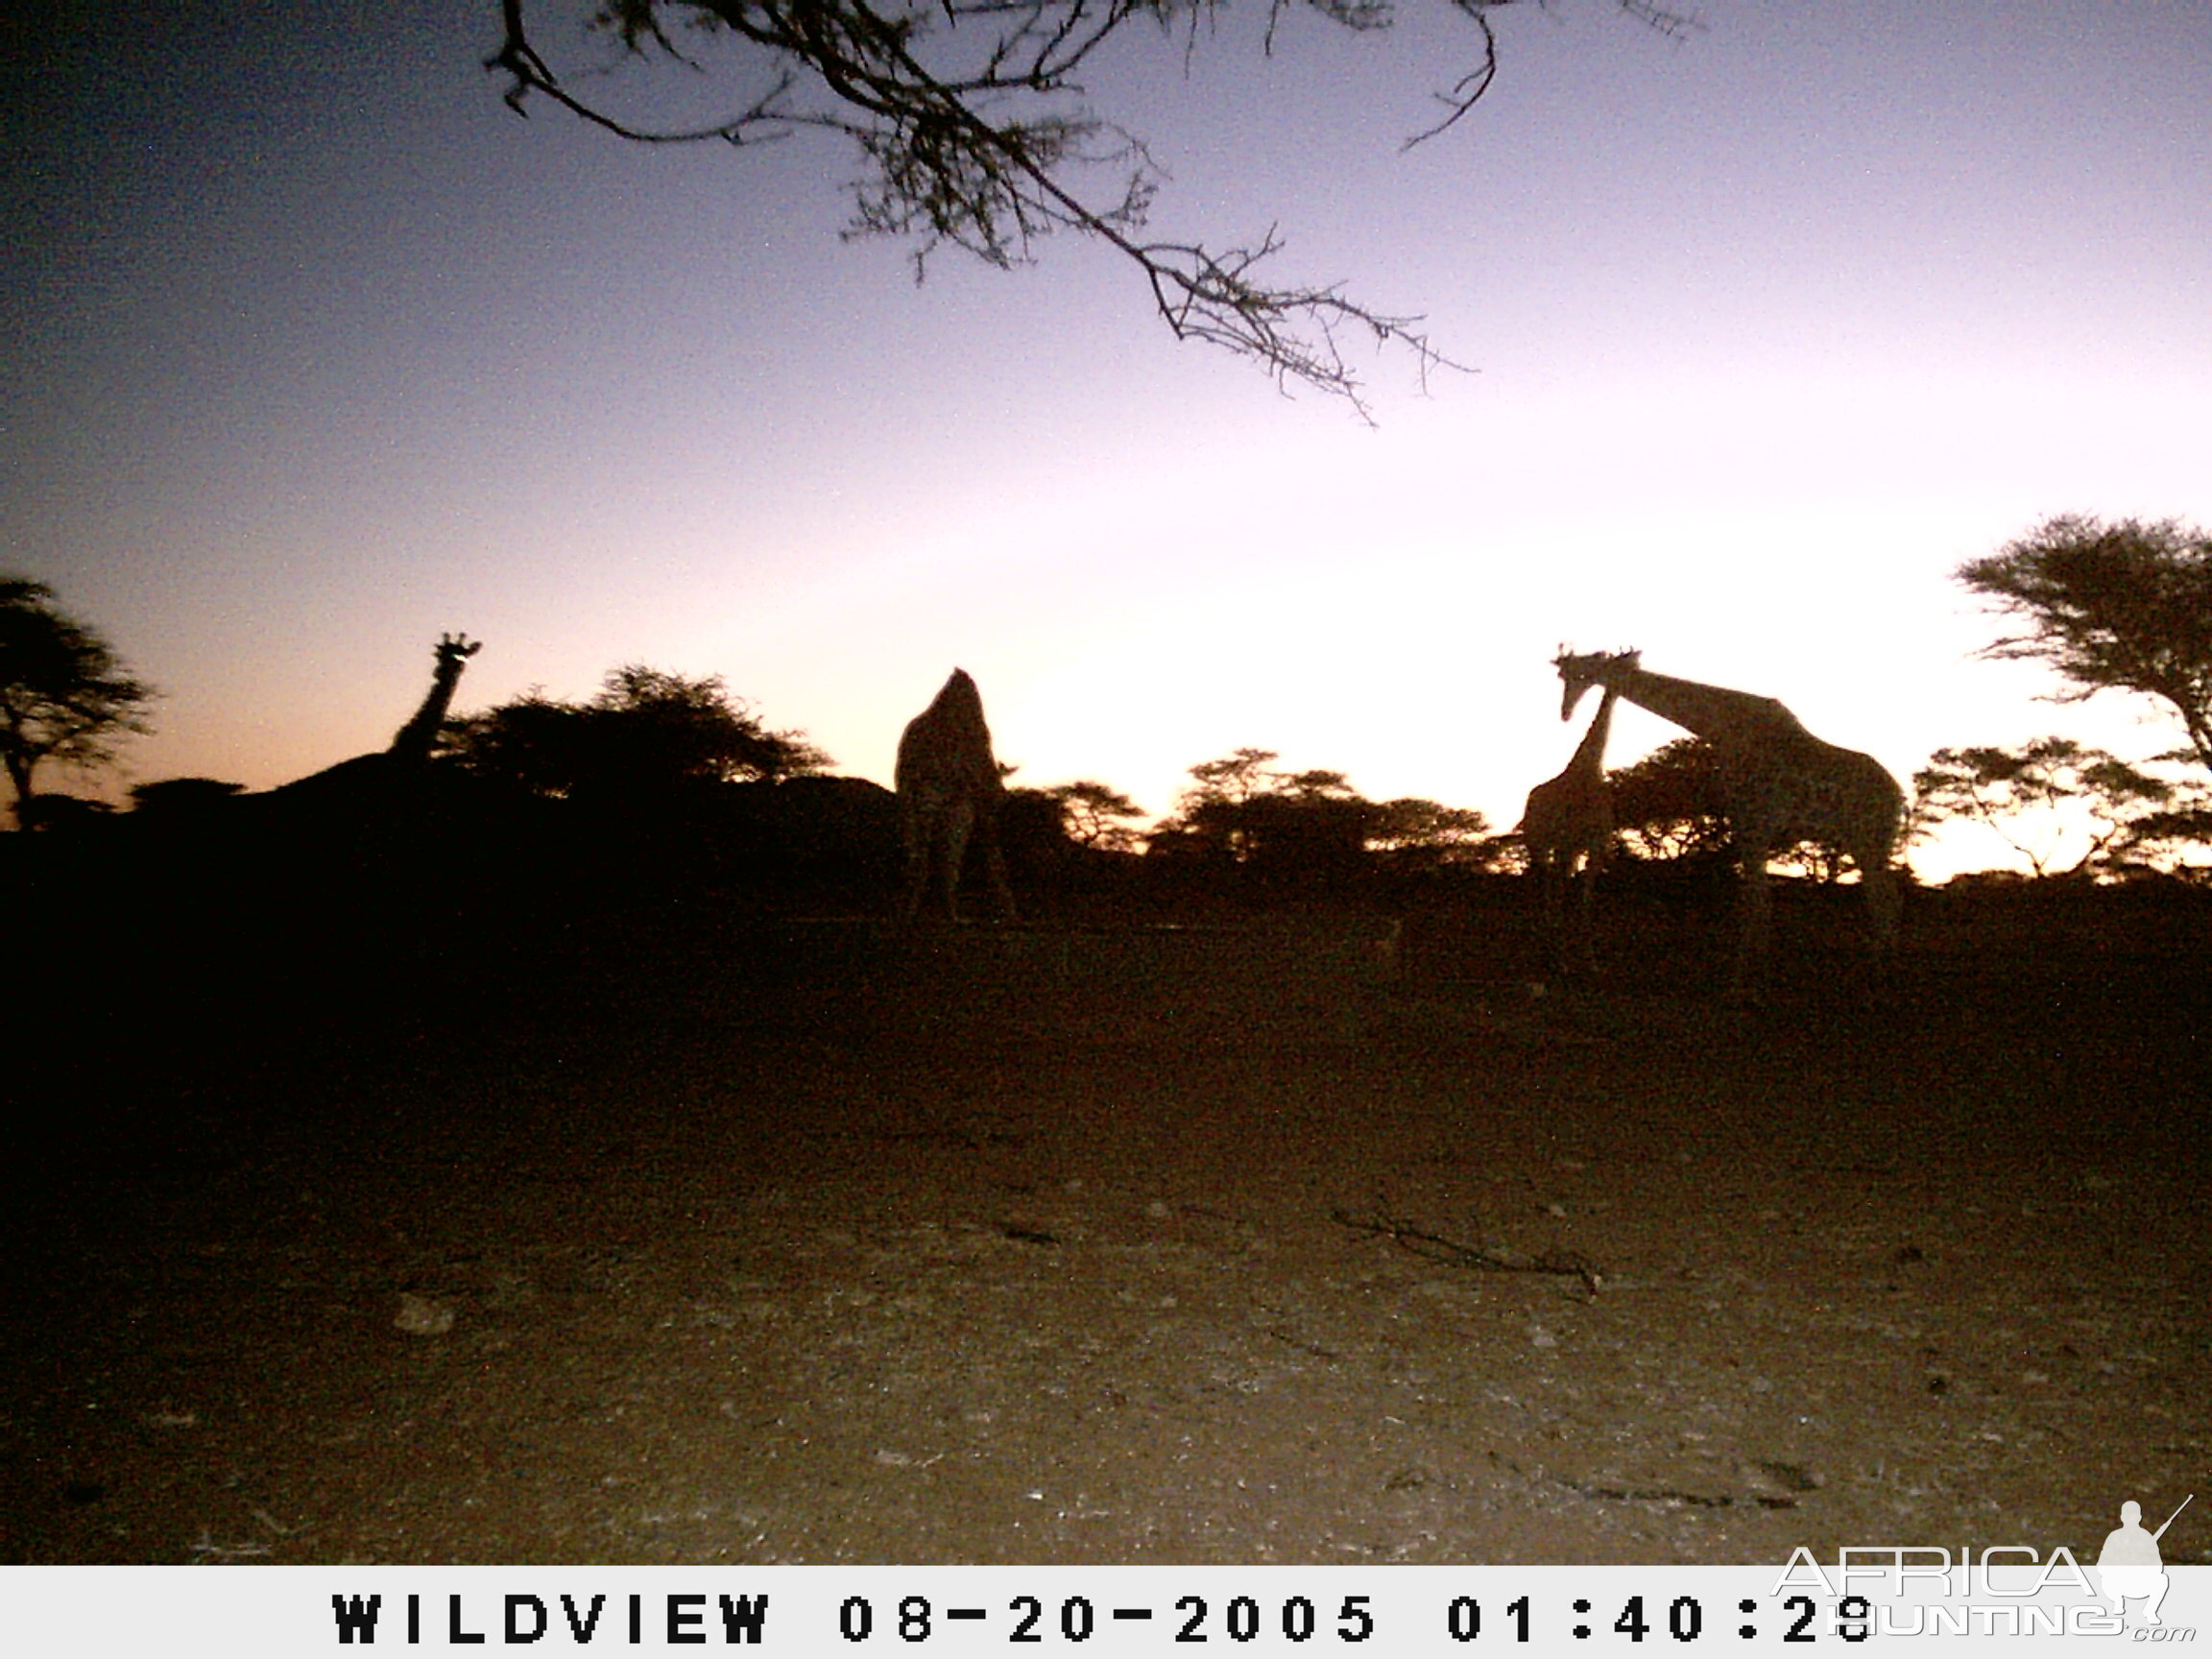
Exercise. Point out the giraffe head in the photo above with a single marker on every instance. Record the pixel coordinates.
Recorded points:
(1578, 673)
(455, 649)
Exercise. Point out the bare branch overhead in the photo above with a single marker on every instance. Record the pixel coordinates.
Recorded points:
(970, 116)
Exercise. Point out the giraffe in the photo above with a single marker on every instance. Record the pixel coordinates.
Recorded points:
(413, 743)
(370, 784)
(1782, 785)
(950, 790)
(357, 842)
(1567, 825)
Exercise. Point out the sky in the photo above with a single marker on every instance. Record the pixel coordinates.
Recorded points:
(312, 350)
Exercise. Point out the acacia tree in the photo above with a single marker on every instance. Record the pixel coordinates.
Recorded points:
(1673, 803)
(1244, 811)
(64, 694)
(2162, 839)
(1669, 804)
(1236, 777)
(1095, 815)
(2123, 607)
(1414, 833)
(646, 732)
(969, 119)
(2039, 797)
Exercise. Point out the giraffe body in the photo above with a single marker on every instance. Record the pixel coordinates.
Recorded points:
(949, 791)
(1782, 786)
(1567, 828)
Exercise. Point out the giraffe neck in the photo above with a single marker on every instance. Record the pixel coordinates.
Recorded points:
(415, 739)
(1714, 712)
(1590, 754)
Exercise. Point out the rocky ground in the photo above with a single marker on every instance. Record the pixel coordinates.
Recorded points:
(679, 1273)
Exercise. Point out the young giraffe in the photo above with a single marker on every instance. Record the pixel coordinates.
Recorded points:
(1782, 786)
(1567, 825)
(949, 791)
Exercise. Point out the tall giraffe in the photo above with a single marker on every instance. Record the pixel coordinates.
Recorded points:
(370, 782)
(413, 744)
(949, 791)
(1567, 826)
(1782, 786)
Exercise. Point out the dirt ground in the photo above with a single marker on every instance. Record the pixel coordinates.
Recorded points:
(1477, 1275)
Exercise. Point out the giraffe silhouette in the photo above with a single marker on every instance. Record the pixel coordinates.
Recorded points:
(950, 792)
(365, 864)
(1567, 826)
(413, 743)
(369, 785)
(1782, 786)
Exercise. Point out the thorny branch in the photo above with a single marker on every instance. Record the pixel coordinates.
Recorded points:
(969, 114)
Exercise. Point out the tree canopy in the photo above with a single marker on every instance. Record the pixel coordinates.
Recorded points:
(1413, 830)
(1673, 805)
(970, 121)
(1670, 804)
(1241, 810)
(1095, 815)
(646, 732)
(2121, 607)
(64, 695)
(2053, 793)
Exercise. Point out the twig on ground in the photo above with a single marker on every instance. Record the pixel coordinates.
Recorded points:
(1434, 1248)
(208, 1550)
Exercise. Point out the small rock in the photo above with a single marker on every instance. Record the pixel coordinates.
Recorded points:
(420, 1316)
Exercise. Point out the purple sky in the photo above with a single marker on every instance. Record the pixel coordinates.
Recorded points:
(314, 350)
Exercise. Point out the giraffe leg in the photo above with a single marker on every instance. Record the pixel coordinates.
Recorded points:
(1883, 898)
(1585, 902)
(994, 867)
(959, 820)
(917, 833)
(1551, 898)
(1754, 913)
(1882, 886)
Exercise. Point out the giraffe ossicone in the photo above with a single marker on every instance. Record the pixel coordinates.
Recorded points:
(1782, 786)
(949, 791)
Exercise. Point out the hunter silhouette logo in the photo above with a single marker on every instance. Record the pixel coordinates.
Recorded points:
(2010, 1589)
(2129, 1564)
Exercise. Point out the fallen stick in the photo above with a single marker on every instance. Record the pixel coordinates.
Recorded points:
(1434, 1248)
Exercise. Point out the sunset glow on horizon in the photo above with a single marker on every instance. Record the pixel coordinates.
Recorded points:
(317, 351)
